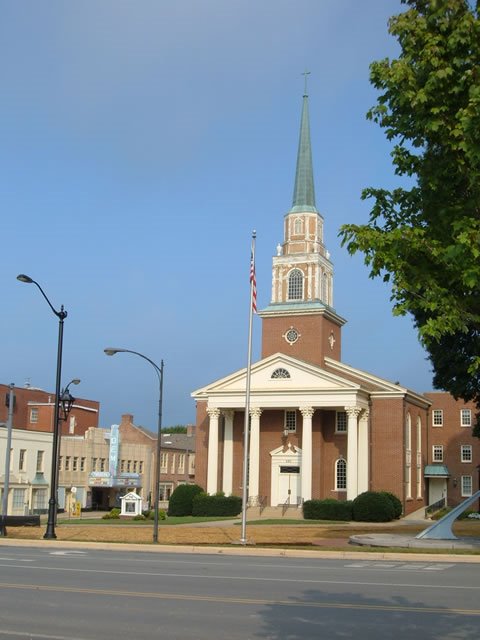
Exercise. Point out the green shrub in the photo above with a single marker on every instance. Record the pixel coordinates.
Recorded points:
(372, 506)
(139, 516)
(114, 514)
(150, 515)
(328, 509)
(217, 505)
(181, 500)
(397, 505)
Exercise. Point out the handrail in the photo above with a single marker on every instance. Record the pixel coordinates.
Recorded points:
(435, 506)
(285, 505)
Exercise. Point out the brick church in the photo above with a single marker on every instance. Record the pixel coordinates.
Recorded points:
(320, 428)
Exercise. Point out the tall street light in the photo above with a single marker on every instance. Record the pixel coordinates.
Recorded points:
(52, 503)
(159, 371)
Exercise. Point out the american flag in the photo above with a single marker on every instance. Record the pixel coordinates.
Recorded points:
(253, 282)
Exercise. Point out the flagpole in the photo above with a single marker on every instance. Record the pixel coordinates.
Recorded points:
(246, 426)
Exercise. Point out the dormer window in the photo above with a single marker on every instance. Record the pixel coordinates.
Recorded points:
(295, 285)
(298, 226)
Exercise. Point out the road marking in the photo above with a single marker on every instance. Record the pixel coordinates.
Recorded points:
(16, 560)
(242, 601)
(402, 566)
(202, 577)
(66, 553)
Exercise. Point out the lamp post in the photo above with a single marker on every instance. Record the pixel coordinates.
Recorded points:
(159, 371)
(52, 503)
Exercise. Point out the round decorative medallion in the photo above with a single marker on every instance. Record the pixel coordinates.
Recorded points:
(291, 335)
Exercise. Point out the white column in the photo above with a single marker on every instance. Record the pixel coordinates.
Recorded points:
(227, 483)
(307, 453)
(363, 451)
(254, 458)
(212, 460)
(352, 452)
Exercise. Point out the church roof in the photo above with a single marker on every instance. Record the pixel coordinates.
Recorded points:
(304, 190)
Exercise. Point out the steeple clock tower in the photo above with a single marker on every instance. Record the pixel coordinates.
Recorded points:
(300, 320)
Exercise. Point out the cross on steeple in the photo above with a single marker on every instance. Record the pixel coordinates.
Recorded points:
(305, 73)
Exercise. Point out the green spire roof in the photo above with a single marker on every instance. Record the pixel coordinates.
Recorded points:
(304, 191)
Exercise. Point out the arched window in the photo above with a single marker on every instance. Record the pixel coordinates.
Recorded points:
(295, 285)
(280, 373)
(408, 456)
(341, 475)
(298, 226)
(419, 457)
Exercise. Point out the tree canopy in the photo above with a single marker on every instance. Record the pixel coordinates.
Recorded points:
(424, 236)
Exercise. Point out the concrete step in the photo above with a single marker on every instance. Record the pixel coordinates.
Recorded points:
(292, 513)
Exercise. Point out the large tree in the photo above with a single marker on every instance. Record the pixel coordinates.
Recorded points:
(424, 236)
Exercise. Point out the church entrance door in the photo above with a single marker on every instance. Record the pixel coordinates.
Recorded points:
(288, 484)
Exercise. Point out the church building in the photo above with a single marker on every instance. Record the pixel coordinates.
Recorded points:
(319, 428)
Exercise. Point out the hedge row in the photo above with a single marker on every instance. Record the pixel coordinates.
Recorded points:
(205, 505)
(328, 509)
(370, 506)
(191, 500)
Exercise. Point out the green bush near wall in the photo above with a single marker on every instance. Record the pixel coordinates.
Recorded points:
(328, 509)
(397, 505)
(218, 505)
(181, 500)
(373, 506)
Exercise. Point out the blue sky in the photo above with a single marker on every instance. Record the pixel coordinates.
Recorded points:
(141, 142)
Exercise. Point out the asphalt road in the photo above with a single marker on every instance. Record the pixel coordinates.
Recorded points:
(53, 593)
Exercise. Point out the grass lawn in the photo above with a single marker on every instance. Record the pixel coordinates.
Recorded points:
(171, 520)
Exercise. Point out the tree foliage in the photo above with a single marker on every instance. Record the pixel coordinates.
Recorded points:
(424, 238)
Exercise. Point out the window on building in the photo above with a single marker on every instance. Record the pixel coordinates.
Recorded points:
(341, 475)
(22, 460)
(290, 421)
(39, 499)
(94, 464)
(437, 453)
(34, 415)
(140, 466)
(40, 461)
(466, 452)
(466, 486)
(102, 464)
(437, 417)
(19, 499)
(75, 463)
(67, 463)
(280, 373)
(295, 285)
(122, 466)
(129, 466)
(181, 463)
(82, 464)
(419, 457)
(298, 226)
(466, 418)
(173, 463)
(165, 491)
(341, 422)
(60, 463)
(135, 466)
(164, 462)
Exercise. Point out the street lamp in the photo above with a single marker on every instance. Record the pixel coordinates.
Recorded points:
(159, 371)
(52, 503)
(66, 404)
(66, 399)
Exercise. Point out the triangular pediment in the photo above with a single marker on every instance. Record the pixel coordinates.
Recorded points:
(283, 381)
(301, 375)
